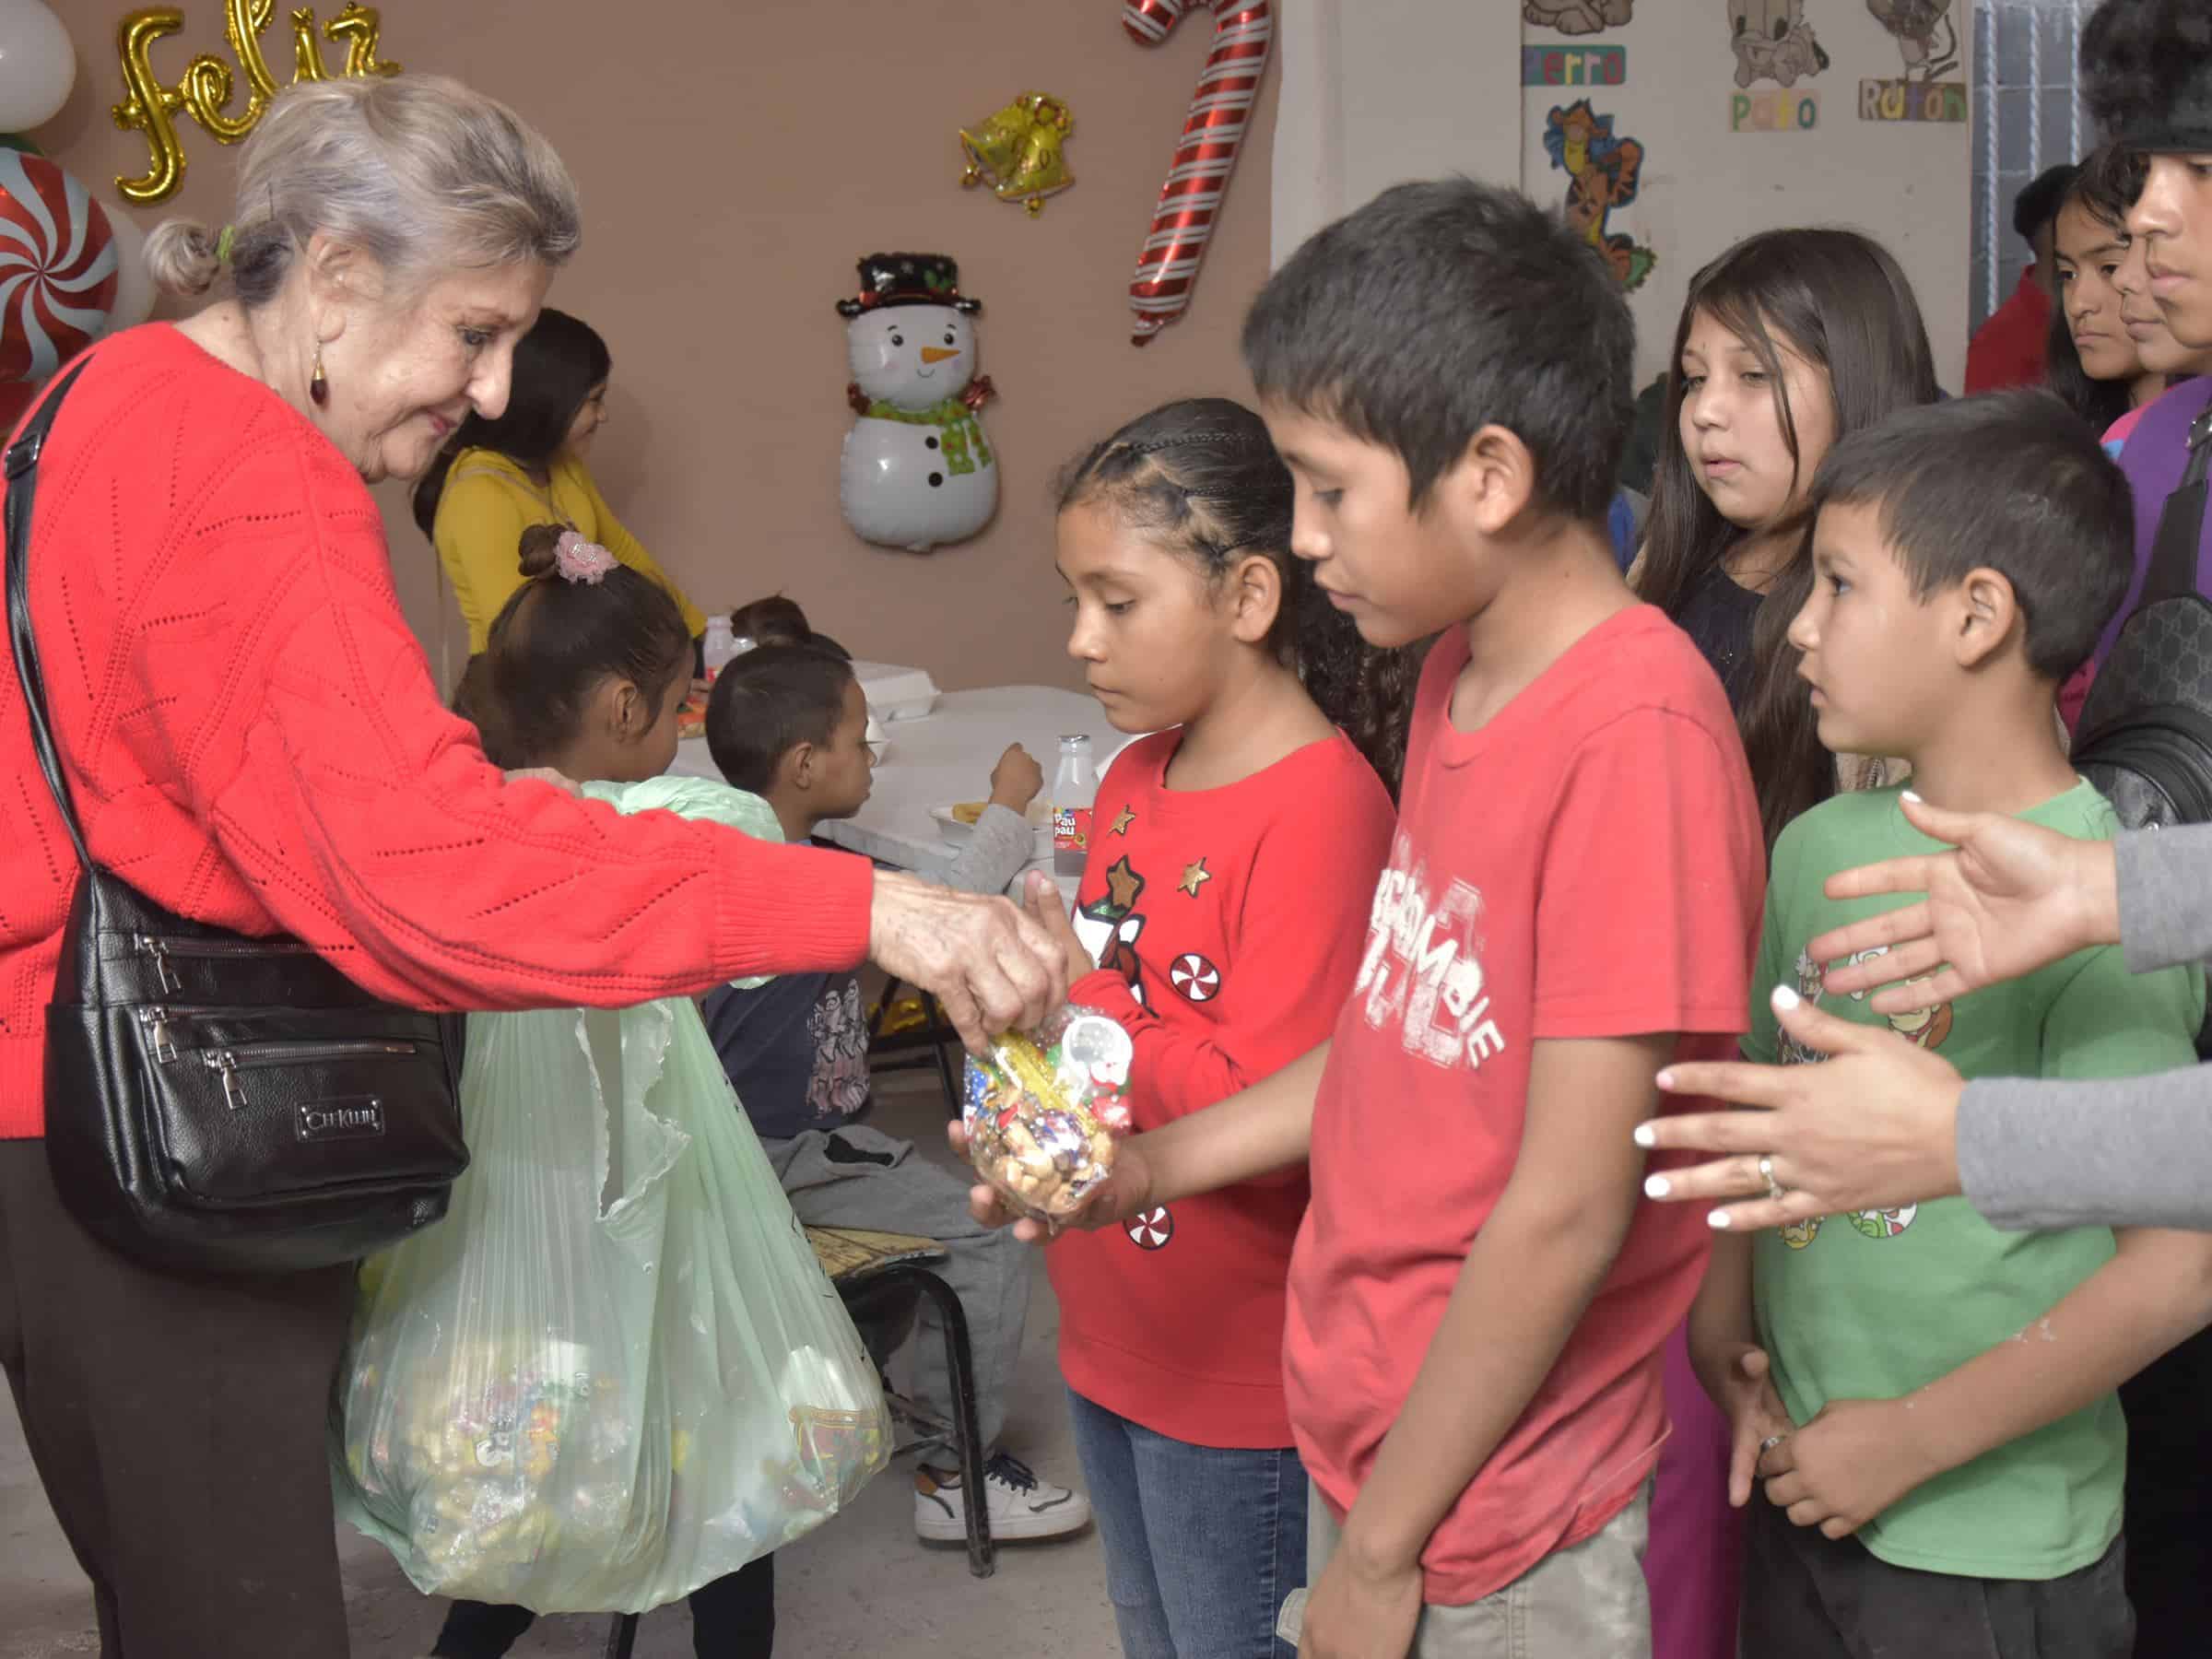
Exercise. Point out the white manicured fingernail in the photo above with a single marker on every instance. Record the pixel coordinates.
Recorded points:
(1657, 1186)
(1784, 999)
(1914, 798)
(1644, 1138)
(1718, 1220)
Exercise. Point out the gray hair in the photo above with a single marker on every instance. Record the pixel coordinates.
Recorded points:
(416, 171)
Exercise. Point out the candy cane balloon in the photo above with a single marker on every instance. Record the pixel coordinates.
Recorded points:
(58, 273)
(1212, 134)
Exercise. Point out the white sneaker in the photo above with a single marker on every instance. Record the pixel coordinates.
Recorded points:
(1017, 1505)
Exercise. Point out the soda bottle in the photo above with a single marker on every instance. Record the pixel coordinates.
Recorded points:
(720, 645)
(1073, 791)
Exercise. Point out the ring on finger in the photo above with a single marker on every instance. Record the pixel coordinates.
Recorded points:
(1766, 1173)
(1771, 1441)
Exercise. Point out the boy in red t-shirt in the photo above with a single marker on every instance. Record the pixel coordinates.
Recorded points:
(1477, 1302)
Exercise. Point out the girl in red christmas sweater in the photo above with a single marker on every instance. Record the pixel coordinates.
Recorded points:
(1233, 857)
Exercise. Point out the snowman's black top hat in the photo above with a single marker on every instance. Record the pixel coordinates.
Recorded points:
(908, 279)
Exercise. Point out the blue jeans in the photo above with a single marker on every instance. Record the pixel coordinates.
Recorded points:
(1203, 1544)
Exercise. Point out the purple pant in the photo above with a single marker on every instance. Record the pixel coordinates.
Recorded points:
(1695, 1562)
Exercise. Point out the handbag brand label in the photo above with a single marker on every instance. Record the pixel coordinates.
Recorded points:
(354, 1117)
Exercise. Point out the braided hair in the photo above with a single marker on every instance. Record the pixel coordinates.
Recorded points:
(1201, 477)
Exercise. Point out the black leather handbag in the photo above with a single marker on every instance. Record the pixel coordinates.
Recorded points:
(215, 1102)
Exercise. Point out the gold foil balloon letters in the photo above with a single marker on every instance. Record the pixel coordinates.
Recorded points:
(1016, 152)
(208, 84)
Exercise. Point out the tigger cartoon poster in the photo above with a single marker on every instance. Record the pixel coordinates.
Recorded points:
(1604, 174)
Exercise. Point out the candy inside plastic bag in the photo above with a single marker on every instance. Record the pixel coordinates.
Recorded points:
(1043, 1109)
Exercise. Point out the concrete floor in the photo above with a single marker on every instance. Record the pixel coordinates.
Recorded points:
(861, 1587)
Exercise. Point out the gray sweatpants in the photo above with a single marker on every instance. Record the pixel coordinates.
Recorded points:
(892, 1188)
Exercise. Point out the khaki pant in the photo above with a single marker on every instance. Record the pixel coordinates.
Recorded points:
(1587, 1602)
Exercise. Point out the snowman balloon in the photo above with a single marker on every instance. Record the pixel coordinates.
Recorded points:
(917, 469)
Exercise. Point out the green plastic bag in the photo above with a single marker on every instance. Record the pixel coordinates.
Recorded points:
(616, 1370)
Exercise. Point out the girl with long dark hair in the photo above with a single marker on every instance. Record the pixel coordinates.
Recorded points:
(1789, 341)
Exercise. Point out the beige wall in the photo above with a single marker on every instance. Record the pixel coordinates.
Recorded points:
(735, 160)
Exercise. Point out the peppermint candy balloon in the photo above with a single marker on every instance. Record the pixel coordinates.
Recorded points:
(59, 273)
(1213, 132)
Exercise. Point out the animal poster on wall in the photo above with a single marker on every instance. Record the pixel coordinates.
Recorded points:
(1927, 33)
(1577, 17)
(1603, 171)
(1772, 42)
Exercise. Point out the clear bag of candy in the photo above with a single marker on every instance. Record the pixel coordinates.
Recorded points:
(1043, 1110)
(615, 1370)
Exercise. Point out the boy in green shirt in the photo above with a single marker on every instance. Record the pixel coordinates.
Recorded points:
(1942, 1390)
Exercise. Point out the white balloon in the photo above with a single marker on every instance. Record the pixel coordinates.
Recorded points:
(37, 65)
(135, 290)
(897, 480)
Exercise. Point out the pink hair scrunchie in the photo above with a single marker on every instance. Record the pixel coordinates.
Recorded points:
(579, 560)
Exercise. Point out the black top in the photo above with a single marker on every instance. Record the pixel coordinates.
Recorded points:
(797, 1051)
(1719, 615)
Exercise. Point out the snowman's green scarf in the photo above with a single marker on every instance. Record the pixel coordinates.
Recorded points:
(965, 448)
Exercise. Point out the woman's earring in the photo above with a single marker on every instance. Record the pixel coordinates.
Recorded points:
(318, 386)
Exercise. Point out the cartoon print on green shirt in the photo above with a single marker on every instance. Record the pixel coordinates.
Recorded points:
(1926, 1029)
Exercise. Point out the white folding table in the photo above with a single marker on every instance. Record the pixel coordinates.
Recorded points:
(945, 757)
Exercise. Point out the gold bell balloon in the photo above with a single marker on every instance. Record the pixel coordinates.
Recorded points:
(1017, 153)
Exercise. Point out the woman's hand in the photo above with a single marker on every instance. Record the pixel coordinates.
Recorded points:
(1874, 1127)
(1125, 1194)
(992, 968)
(2012, 898)
(1016, 780)
(1040, 898)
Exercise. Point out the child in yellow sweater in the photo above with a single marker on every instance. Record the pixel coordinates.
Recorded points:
(495, 478)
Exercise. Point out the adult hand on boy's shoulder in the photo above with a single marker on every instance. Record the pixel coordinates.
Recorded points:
(1361, 1610)
(2014, 897)
(1847, 1466)
(1743, 1386)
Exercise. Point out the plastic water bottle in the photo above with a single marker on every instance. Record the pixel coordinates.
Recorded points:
(720, 644)
(1073, 791)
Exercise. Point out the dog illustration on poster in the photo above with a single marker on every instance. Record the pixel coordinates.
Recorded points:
(1926, 34)
(1773, 41)
(1577, 17)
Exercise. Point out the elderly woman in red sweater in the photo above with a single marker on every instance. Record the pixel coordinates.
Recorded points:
(252, 739)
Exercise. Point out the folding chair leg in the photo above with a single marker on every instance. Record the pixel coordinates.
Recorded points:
(623, 1637)
(981, 1553)
(955, 1096)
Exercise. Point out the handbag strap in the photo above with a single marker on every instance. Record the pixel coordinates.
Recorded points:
(2173, 550)
(22, 485)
